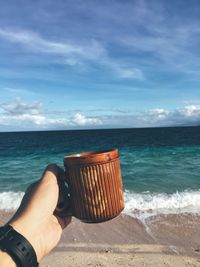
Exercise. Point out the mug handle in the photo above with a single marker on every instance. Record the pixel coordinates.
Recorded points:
(63, 208)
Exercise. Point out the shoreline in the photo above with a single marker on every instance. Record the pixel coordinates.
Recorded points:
(158, 239)
(180, 231)
(132, 255)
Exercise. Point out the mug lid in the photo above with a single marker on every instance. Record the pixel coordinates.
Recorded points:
(91, 157)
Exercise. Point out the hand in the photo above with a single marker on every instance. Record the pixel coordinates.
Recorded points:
(36, 219)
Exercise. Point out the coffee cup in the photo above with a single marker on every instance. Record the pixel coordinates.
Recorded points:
(95, 185)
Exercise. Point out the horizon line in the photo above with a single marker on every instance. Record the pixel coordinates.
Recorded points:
(100, 129)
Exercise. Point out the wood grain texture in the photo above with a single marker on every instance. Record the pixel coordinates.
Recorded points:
(96, 190)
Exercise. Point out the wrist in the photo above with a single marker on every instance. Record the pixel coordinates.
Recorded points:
(6, 260)
(30, 234)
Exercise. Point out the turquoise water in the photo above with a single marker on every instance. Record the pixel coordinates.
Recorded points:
(154, 162)
(161, 169)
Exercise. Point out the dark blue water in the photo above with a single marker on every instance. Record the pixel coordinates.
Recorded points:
(159, 160)
(155, 160)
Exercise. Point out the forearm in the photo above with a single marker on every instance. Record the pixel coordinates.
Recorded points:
(6, 260)
(35, 219)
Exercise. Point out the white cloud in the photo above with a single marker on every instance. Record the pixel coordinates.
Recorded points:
(23, 116)
(81, 120)
(71, 53)
(158, 113)
(192, 101)
(132, 73)
(158, 117)
(16, 90)
(190, 111)
(166, 44)
(36, 43)
(21, 108)
(31, 121)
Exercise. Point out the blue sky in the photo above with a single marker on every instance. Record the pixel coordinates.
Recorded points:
(99, 64)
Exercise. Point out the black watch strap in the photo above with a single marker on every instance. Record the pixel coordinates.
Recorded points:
(18, 247)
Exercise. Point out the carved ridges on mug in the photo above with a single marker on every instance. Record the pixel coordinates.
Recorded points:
(96, 190)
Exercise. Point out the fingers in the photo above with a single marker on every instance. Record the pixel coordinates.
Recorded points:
(63, 205)
(53, 171)
(43, 193)
(29, 192)
(49, 194)
(25, 200)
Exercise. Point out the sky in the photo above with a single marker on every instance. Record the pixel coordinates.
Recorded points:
(99, 64)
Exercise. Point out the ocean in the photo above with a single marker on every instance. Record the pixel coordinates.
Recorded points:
(160, 166)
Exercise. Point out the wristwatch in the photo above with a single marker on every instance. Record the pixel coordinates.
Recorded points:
(18, 247)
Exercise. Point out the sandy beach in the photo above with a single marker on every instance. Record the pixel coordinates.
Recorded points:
(165, 240)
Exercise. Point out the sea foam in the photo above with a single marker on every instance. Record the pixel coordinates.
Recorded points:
(10, 200)
(161, 203)
(136, 204)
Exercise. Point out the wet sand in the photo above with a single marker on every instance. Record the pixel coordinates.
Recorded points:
(165, 240)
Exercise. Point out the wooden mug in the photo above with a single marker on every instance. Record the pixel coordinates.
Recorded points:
(95, 185)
